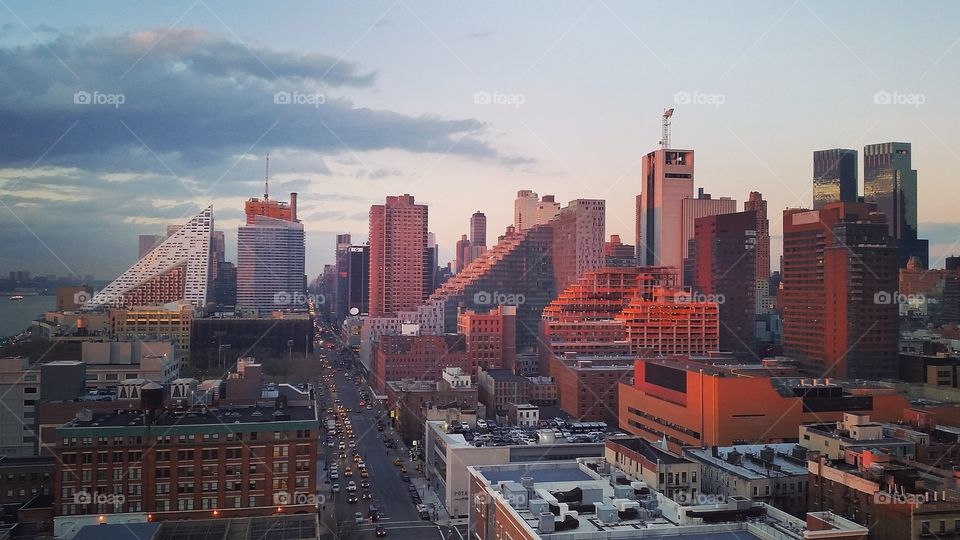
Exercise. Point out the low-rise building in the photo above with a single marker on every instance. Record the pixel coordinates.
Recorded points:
(580, 500)
(588, 388)
(677, 478)
(773, 473)
(171, 463)
(415, 402)
(856, 431)
(447, 456)
(896, 500)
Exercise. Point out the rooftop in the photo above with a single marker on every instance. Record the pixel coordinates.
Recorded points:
(570, 500)
(755, 461)
(646, 449)
(196, 416)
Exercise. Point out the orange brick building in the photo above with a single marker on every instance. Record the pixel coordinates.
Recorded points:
(672, 322)
(694, 403)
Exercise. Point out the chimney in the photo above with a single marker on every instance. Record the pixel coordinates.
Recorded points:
(293, 206)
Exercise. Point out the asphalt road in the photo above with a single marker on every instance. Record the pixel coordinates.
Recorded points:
(390, 495)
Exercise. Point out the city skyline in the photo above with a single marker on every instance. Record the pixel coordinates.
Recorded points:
(110, 140)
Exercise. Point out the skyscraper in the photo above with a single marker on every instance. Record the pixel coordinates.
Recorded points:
(270, 264)
(177, 269)
(358, 278)
(694, 208)
(529, 210)
(478, 229)
(462, 254)
(578, 239)
(890, 182)
(758, 206)
(398, 255)
(340, 288)
(840, 278)
(666, 179)
(723, 253)
(834, 176)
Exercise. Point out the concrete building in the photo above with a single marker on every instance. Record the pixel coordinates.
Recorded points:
(447, 457)
(416, 357)
(585, 499)
(672, 322)
(701, 206)
(529, 210)
(722, 264)
(588, 388)
(478, 229)
(758, 206)
(498, 388)
(677, 478)
(616, 253)
(839, 278)
(856, 431)
(270, 264)
(775, 474)
(579, 231)
(413, 403)
(666, 180)
(896, 500)
(693, 402)
(221, 340)
(399, 269)
(171, 322)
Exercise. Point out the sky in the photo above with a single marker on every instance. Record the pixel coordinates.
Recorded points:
(119, 118)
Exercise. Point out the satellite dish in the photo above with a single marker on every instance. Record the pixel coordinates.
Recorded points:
(354, 311)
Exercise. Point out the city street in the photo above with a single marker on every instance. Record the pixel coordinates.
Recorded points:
(390, 493)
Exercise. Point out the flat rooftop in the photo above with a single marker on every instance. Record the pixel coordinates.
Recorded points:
(198, 416)
(749, 465)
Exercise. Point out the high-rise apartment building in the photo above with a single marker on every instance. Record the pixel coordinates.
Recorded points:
(529, 210)
(691, 210)
(341, 255)
(177, 269)
(758, 206)
(478, 229)
(578, 239)
(834, 176)
(398, 256)
(463, 254)
(840, 316)
(666, 180)
(723, 267)
(672, 321)
(890, 182)
(616, 253)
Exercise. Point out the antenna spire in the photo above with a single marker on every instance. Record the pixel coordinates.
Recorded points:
(665, 138)
(266, 180)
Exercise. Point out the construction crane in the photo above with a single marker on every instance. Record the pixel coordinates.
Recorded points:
(665, 137)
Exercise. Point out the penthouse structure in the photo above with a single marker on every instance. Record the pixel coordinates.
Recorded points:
(693, 402)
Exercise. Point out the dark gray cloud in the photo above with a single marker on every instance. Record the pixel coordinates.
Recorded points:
(196, 99)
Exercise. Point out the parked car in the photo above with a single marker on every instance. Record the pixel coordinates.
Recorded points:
(481, 423)
(358, 517)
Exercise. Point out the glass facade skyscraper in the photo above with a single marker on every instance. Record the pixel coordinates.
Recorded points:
(890, 182)
(834, 176)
